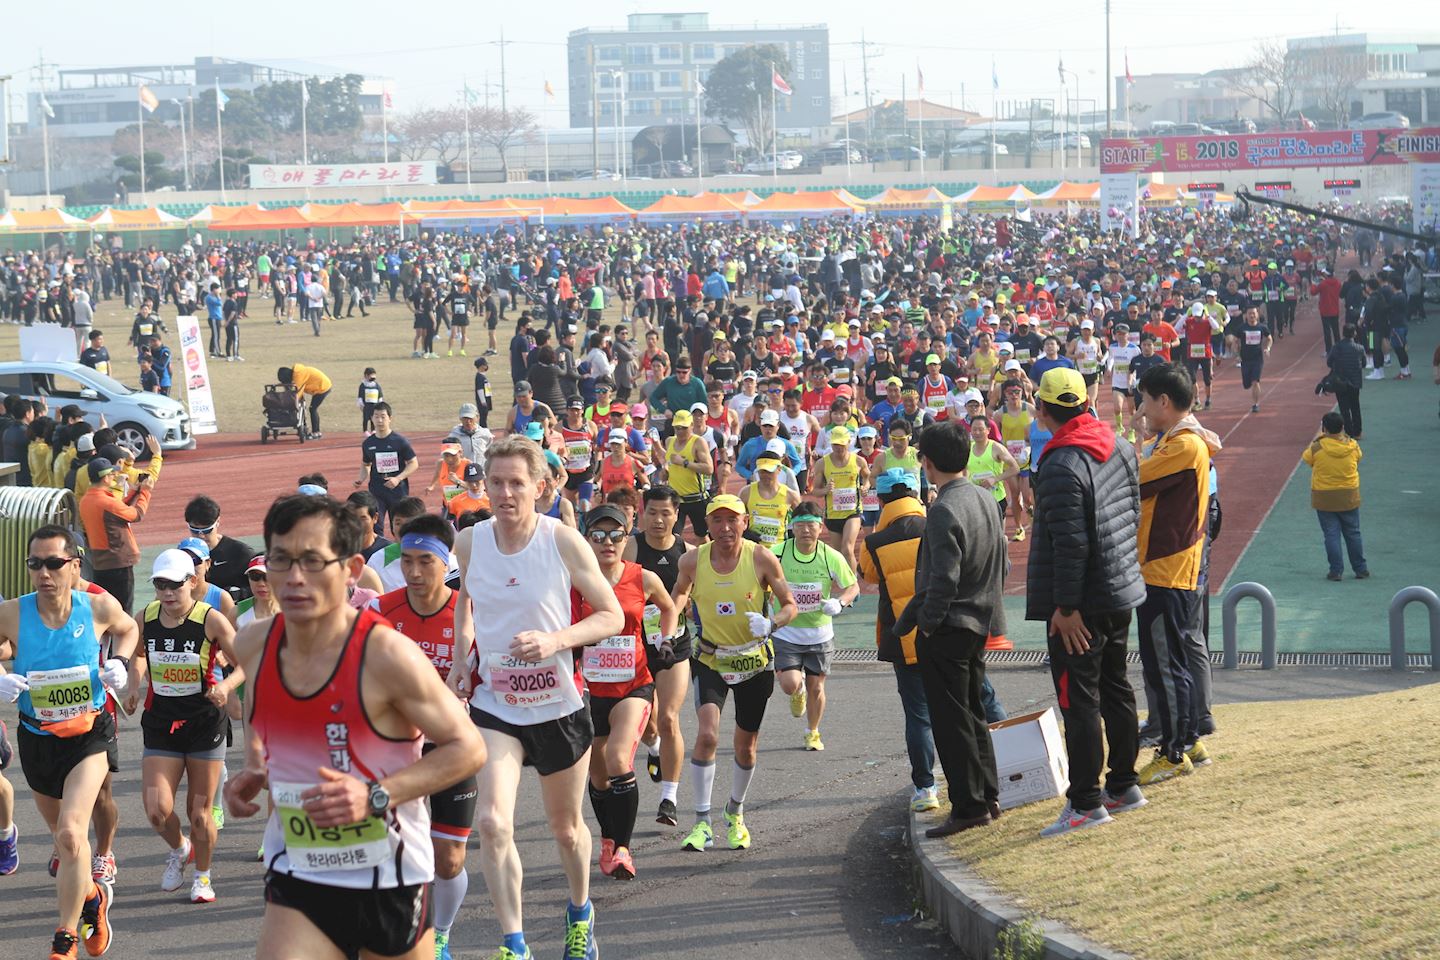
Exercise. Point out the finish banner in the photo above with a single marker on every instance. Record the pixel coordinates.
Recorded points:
(405, 173)
(1264, 151)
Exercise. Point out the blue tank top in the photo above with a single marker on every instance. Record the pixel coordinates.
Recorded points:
(213, 595)
(522, 420)
(1039, 437)
(67, 660)
(554, 510)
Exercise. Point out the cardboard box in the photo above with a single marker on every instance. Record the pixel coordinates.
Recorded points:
(1030, 759)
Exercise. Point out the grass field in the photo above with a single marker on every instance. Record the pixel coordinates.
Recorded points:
(1314, 834)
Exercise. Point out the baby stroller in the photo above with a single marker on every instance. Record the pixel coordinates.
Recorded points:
(284, 413)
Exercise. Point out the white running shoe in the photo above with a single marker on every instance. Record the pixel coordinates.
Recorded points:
(175, 862)
(1376, 374)
(201, 891)
(1071, 819)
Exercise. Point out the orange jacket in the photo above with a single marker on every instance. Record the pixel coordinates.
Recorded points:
(107, 519)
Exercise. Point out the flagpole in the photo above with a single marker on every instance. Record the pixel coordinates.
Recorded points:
(994, 119)
(465, 105)
(774, 131)
(920, 127)
(699, 147)
(220, 139)
(385, 120)
(844, 107)
(140, 111)
(45, 143)
(304, 124)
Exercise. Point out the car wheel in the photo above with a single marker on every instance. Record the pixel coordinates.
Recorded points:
(133, 436)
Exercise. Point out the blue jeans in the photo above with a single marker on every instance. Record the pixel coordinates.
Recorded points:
(919, 742)
(1335, 524)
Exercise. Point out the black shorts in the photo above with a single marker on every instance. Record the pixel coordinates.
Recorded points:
(6, 752)
(452, 810)
(424, 325)
(462, 320)
(492, 322)
(1250, 371)
(573, 481)
(201, 737)
(694, 510)
(47, 760)
(837, 526)
(550, 747)
(386, 922)
(600, 708)
(750, 696)
(1090, 378)
(1200, 367)
(684, 650)
(1121, 391)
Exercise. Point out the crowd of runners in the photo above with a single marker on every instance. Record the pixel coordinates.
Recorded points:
(682, 497)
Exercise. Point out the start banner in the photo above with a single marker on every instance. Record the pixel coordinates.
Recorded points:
(1264, 151)
(405, 173)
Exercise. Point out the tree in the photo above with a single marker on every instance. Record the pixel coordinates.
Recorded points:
(738, 89)
(1334, 73)
(1272, 78)
(431, 133)
(501, 129)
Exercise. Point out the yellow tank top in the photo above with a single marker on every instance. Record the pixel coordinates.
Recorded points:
(686, 482)
(1015, 431)
(843, 498)
(768, 514)
(722, 600)
(984, 364)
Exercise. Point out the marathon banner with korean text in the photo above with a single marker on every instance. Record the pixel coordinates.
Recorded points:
(197, 377)
(405, 173)
(1264, 151)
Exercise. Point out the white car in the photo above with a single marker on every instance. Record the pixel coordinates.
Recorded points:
(1386, 120)
(132, 414)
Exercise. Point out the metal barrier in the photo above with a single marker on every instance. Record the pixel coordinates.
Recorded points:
(1398, 603)
(22, 511)
(1267, 624)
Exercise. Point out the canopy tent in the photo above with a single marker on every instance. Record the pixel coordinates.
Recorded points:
(258, 218)
(1000, 196)
(216, 212)
(151, 218)
(673, 208)
(471, 214)
(354, 214)
(741, 198)
(577, 210)
(1067, 192)
(53, 220)
(1157, 194)
(806, 204)
(895, 201)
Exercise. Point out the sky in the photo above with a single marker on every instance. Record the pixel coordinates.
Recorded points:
(436, 48)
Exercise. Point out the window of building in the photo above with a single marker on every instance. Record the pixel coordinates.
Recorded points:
(669, 52)
(1406, 102)
(605, 81)
(609, 54)
(816, 73)
(669, 79)
(640, 108)
(672, 106)
(641, 53)
(730, 49)
(640, 82)
(817, 101)
(702, 51)
(814, 46)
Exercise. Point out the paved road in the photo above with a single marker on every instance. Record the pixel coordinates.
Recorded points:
(828, 876)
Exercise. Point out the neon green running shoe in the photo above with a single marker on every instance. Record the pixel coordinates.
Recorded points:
(739, 834)
(505, 953)
(700, 839)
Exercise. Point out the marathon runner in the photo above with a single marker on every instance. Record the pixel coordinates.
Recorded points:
(768, 501)
(621, 687)
(338, 707)
(687, 464)
(842, 478)
(66, 737)
(526, 693)
(730, 581)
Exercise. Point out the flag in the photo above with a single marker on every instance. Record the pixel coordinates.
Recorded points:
(778, 84)
(699, 87)
(389, 103)
(45, 105)
(1129, 77)
(1061, 70)
(994, 76)
(304, 91)
(920, 74)
(220, 98)
(549, 90)
(470, 95)
(148, 100)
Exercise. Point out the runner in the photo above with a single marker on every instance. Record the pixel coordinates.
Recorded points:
(1253, 340)
(184, 720)
(520, 569)
(1089, 355)
(1015, 417)
(687, 463)
(66, 737)
(768, 502)
(659, 550)
(424, 611)
(621, 687)
(1122, 354)
(842, 478)
(822, 585)
(334, 720)
(578, 435)
(728, 578)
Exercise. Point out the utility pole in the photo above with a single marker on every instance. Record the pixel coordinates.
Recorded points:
(503, 108)
(865, 77)
(594, 118)
(1109, 79)
(45, 109)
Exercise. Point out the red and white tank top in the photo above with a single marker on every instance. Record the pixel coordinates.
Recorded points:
(616, 665)
(329, 728)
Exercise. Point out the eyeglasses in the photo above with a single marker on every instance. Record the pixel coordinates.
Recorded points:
(161, 585)
(310, 562)
(49, 563)
(255, 576)
(613, 536)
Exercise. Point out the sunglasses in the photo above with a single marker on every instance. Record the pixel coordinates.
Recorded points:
(49, 563)
(162, 585)
(613, 536)
(197, 531)
(255, 576)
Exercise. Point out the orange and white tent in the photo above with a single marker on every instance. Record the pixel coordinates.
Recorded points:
(741, 198)
(354, 214)
(258, 218)
(806, 204)
(583, 210)
(151, 218)
(53, 220)
(899, 199)
(997, 196)
(1067, 192)
(673, 208)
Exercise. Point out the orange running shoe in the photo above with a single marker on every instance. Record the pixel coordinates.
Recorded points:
(607, 855)
(95, 919)
(63, 946)
(998, 642)
(622, 867)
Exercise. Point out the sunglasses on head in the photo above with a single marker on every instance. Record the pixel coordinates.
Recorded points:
(614, 536)
(49, 563)
(161, 585)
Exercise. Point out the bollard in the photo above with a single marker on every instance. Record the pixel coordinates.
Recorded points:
(1398, 603)
(1267, 624)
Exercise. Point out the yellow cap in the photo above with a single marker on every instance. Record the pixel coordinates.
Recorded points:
(681, 418)
(725, 501)
(1064, 387)
(840, 435)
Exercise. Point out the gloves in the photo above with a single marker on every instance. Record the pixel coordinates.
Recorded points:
(759, 625)
(831, 607)
(114, 674)
(12, 685)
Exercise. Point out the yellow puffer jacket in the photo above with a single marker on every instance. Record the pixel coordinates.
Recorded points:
(888, 558)
(1335, 473)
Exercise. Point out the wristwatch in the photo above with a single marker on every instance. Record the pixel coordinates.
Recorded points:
(379, 801)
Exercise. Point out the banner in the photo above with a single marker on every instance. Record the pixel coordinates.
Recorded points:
(1425, 197)
(197, 376)
(48, 342)
(1120, 203)
(1263, 151)
(409, 172)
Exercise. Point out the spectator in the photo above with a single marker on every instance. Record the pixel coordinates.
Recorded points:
(1334, 460)
(107, 514)
(311, 383)
(228, 557)
(1347, 375)
(15, 440)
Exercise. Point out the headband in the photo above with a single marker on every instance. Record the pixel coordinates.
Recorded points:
(420, 541)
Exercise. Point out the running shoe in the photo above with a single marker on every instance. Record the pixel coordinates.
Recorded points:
(1019, 536)
(1149, 735)
(1199, 756)
(102, 867)
(449, 353)
(667, 814)
(580, 939)
(797, 702)
(1071, 819)
(464, 354)
(607, 855)
(415, 354)
(738, 834)
(1254, 408)
(95, 920)
(54, 867)
(260, 854)
(217, 813)
(442, 946)
(201, 891)
(1162, 768)
(175, 862)
(812, 740)
(10, 852)
(505, 953)
(652, 766)
(700, 839)
(1131, 799)
(924, 798)
(63, 947)
(622, 865)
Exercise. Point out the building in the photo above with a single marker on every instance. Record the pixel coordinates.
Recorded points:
(1183, 98)
(645, 74)
(1385, 72)
(98, 101)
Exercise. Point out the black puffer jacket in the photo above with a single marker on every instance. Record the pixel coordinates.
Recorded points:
(1083, 552)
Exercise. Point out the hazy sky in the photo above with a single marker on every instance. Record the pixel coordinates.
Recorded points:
(429, 49)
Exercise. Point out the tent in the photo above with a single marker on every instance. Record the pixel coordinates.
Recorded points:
(216, 212)
(111, 220)
(470, 214)
(741, 198)
(583, 210)
(1162, 195)
(258, 218)
(53, 220)
(1005, 197)
(354, 214)
(806, 205)
(1065, 192)
(895, 200)
(673, 208)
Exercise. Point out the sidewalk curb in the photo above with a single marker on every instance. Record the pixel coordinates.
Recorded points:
(975, 914)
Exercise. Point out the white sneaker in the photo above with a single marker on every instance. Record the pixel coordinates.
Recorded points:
(175, 862)
(924, 798)
(1376, 374)
(1072, 819)
(201, 891)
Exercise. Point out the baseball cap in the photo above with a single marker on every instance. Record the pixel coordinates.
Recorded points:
(86, 444)
(535, 431)
(699, 407)
(749, 375)
(174, 565)
(840, 435)
(472, 471)
(931, 358)
(681, 418)
(640, 410)
(575, 403)
(469, 410)
(196, 547)
(257, 562)
(1197, 309)
(98, 468)
(767, 461)
(726, 501)
(828, 334)
(775, 445)
(1012, 365)
(523, 386)
(1087, 324)
(895, 477)
(451, 449)
(1063, 386)
(606, 511)
(867, 431)
(771, 417)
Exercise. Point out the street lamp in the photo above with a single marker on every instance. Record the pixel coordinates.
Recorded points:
(617, 77)
(1078, 161)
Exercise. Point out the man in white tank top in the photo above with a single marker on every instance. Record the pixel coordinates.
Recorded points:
(526, 695)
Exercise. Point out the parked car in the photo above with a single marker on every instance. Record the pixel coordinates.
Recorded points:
(132, 414)
(1385, 120)
(1048, 141)
(978, 149)
(836, 154)
(897, 152)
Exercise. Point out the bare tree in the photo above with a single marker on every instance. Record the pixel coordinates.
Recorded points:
(1333, 75)
(1273, 78)
(501, 129)
(431, 133)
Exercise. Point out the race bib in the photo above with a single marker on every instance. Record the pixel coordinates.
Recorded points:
(766, 528)
(1233, 309)
(460, 307)
(62, 694)
(521, 683)
(1252, 338)
(1017, 450)
(807, 596)
(387, 461)
(612, 660)
(372, 394)
(103, 367)
(650, 623)
(1272, 295)
(1022, 355)
(1197, 350)
(870, 501)
(1089, 365)
(843, 499)
(935, 401)
(354, 846)
(174, 674)
(577, 455)
(1121, 369)
(738, 664)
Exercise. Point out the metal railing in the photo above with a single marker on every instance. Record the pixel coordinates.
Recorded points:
(1267, 624)
(23, 510)
(1398, 603)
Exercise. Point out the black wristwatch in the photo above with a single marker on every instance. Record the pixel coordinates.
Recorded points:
(1067, 611)
(379, 801)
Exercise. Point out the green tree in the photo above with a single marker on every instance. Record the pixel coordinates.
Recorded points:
(738, 90)
(156, 173)
(253, 117)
